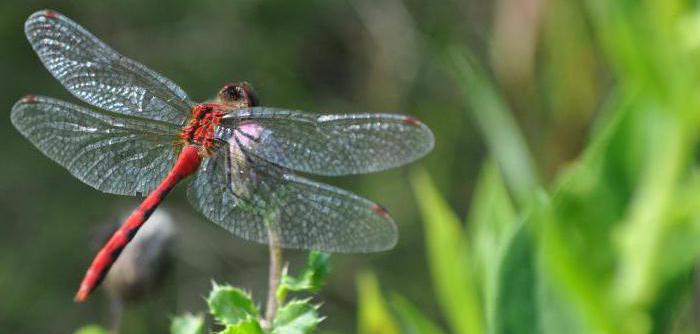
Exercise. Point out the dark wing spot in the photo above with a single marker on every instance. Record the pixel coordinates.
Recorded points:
(51, 14)
(409, 120)
(29, 99)
(380, 211)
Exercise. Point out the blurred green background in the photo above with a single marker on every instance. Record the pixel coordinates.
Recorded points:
(566, 134)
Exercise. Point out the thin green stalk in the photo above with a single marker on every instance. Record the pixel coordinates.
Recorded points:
(275, 274)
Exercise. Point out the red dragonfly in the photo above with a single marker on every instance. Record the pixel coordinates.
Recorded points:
(146, 135)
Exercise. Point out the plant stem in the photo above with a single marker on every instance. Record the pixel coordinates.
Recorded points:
(117, 310)
(275, 272)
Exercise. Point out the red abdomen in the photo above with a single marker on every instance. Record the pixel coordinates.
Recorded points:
(186, 164)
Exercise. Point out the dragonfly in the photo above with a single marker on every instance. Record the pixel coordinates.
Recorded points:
(142, 135)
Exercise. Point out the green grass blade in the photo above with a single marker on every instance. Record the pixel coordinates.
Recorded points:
(411, 320)
(448, 258)
(499, 128)
(491, 223)
(374, 316)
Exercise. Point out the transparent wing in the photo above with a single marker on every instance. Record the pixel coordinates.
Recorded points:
(329, 144)
(113, 153)
(100, 76)
(246, 195)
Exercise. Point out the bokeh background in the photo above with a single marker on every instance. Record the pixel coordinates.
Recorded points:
(318, 56)
(560, 71)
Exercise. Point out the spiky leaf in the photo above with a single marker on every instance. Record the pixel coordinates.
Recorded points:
(296, 317)
(312, 277)
(231, 305)
(249, 326)
(187, 324)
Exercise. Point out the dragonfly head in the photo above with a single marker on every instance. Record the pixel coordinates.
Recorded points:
(237, 95)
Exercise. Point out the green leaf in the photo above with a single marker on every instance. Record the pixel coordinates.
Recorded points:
(312, 277)
(374, 317)
(680, 239)
(526, 297)
(296, 317)
(248, 326)
(449, 258)
(516, 308)
(187, 324)
(571, 299)
(230, 305)
(410, 319)
(91, 329)
(492, 222)
(674, 296)
(640, 240)
(497, 125)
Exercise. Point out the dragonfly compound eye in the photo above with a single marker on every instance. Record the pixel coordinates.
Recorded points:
(235, 93)
(231, 94)
(238, 95)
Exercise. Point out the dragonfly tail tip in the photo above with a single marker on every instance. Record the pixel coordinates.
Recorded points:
(81, 296)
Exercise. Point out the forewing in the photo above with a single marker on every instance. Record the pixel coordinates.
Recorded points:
(111, 152)
(257, 201)
(330, 144)
(100, 76)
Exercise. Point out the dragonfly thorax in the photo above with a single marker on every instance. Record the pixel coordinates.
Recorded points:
(206, 117)
(202, 126)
